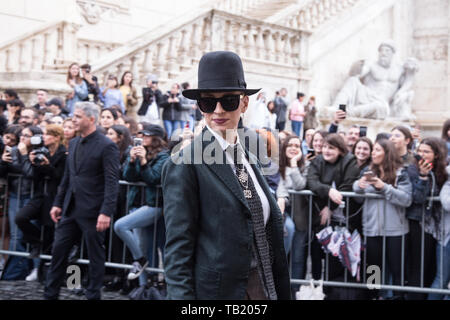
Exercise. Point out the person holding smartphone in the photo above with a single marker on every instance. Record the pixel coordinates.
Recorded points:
(385, 218)
(428, 176)
(136, 229)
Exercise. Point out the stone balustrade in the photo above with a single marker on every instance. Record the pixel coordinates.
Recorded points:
(50, 47)
(170, 53)
(239, 7)
(314, 13)
(90, 50)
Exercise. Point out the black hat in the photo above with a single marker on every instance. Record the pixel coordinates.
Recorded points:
(220, 71)
(153, 130)
(55, 101)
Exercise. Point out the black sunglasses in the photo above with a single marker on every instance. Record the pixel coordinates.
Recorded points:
(228, 103)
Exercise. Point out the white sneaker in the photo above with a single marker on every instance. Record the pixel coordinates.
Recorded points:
(33, 275)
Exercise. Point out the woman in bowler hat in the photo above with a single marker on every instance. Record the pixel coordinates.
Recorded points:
(224, 231)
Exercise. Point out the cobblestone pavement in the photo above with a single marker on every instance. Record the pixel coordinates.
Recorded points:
(33, 290)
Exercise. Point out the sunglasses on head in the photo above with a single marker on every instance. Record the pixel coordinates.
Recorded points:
(228, 103)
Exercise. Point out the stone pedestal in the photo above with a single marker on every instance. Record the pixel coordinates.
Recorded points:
(26, 84)
(374, 127)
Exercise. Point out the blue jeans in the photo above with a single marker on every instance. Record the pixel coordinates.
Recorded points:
(137, 232)
(172, 125)
(17, 268)
(289, 229)
(297, 127)
(191, 123)
(445, 272)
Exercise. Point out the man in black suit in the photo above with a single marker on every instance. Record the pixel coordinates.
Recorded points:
(85, 201)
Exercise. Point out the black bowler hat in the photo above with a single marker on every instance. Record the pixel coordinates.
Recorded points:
(220, 71)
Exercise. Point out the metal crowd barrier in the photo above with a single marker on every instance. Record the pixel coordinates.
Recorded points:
(363, 284)
(124, 187)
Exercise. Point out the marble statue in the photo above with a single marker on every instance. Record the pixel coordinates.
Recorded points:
(381, 89)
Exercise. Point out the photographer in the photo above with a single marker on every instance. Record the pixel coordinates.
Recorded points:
(91, 82)
(16, 161)
(173, 111)
(152, 97)
(48, 159)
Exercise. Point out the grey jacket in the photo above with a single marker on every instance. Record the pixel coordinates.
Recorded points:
(445, 222)
(386, 217)
(294, 180)
(186, 108)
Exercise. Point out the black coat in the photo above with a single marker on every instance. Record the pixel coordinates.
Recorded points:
(46, 180)
(94, 185)
(171, 111)
(321, 175)
(148, 95)
(209, 228)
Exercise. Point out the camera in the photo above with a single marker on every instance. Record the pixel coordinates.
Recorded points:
(39, 150)
(148, 95)
(342, 107)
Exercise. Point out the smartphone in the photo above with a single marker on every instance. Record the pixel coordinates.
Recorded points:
(418, 157)
(48, 115)
(342, 107)
(362, 131)
(369, 175)
(137, 142)
(311, 152)
(187, 125)
(8, 149)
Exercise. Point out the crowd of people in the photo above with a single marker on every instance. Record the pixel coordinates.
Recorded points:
(401, 166)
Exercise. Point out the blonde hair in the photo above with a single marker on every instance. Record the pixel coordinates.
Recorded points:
(56, 131)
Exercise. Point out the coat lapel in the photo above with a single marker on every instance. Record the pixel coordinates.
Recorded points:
(221, 169)
(262, 182)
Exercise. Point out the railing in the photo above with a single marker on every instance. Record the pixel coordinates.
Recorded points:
(314, 13)
(90, 50)
(239, 7)
(111, 259)
(348, 282)
(167, 51)
(363, 283)
(49, 47)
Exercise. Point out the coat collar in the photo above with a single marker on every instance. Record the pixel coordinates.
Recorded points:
(225, 173)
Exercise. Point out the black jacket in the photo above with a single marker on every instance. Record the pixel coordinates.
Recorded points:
(172, 111)
(94, 184)
(148, 95)
(46, 180)
(321, 175)
(20, 165)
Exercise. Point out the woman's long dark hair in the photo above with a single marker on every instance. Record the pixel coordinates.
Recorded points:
(124, 138)
(284, 161)
(158, 144)
(440, 161)
(122, 81)
(391, 162)
(445, 129)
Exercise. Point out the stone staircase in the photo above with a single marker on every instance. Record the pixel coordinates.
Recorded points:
(272, 37)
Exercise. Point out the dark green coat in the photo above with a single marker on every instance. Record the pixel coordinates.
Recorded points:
(209, 228)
